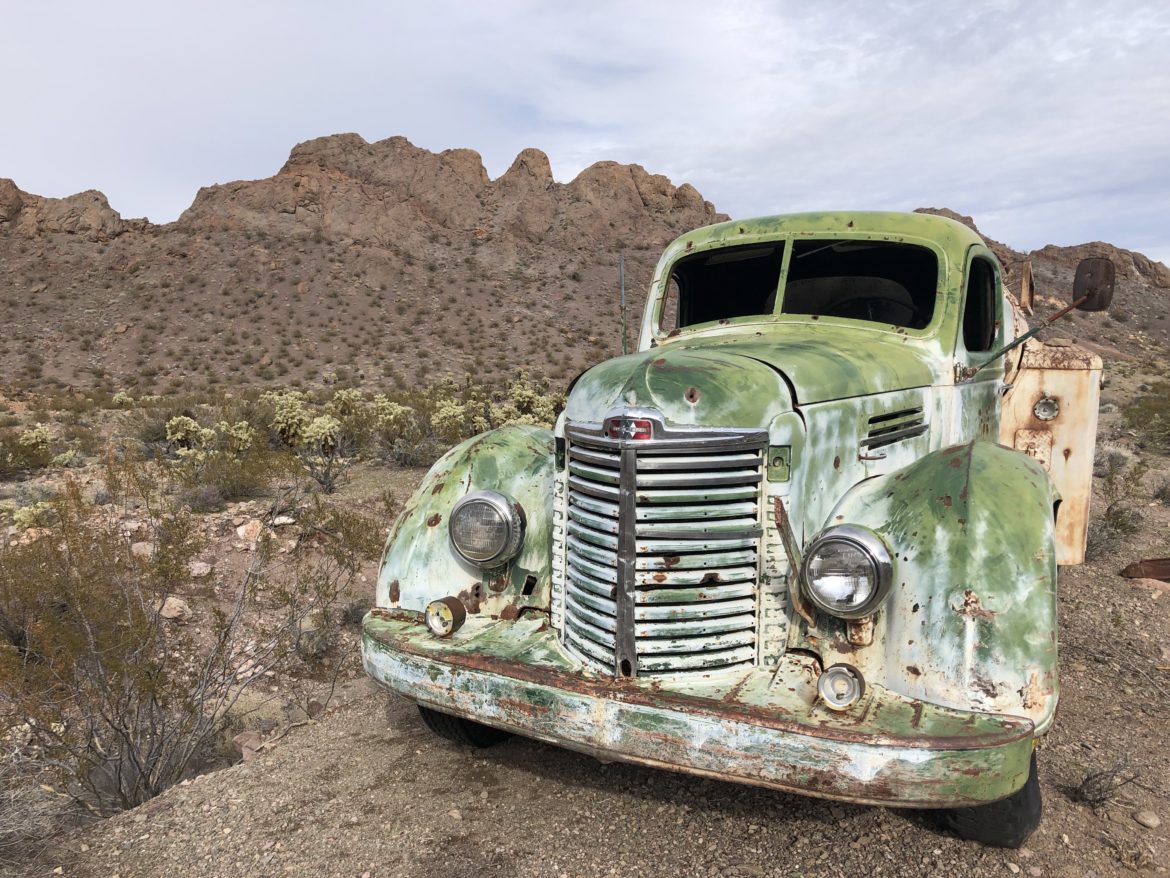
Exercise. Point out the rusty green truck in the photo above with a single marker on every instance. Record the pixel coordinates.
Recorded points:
(806, 537)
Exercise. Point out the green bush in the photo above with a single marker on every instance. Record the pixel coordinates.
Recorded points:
(1149, 416)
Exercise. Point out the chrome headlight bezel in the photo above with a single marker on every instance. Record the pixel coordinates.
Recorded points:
(872, 546)
(510, 515)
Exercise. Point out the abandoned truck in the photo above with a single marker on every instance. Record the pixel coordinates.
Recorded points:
(806, 537)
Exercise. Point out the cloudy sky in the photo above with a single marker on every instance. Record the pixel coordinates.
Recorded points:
(1049, 122)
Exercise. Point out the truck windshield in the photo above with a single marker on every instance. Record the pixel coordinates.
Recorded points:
(878, 281)
(721, 284)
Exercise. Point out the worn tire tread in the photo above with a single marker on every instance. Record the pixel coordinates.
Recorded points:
(1006, 823)
(460, 730)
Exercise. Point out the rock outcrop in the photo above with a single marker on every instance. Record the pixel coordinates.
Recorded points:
(87, 214)
(392, 193)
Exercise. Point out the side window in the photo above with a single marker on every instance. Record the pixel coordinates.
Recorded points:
(979, 321)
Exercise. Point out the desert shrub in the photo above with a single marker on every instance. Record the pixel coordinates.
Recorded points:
(1162, 492)
(22, 451)
(1120, 515)
(119, 702)
(30, 815)
(1149, 416)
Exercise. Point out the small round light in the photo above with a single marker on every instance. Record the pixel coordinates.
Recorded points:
(445, 616)
(486, 528)
(1046, 408)
(847, 571)
(840, 686)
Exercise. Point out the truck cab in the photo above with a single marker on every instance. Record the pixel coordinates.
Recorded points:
(805, 537)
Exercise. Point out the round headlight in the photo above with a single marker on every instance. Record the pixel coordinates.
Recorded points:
(486, 528)
(847, 571)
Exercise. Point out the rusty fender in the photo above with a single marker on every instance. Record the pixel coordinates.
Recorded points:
(759, 726)
(419, 564)
(971, 618)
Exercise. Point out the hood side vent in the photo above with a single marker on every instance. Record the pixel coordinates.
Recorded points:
(894, 427)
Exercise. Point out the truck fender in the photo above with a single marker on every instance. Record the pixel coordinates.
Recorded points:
(971, 618)
(419, 563)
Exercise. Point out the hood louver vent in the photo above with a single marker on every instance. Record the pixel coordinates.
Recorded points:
(894, 427)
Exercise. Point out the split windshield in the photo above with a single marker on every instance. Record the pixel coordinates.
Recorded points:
(876, 281)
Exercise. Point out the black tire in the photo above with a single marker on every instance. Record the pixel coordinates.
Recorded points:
(1003, 824)
(460, 730)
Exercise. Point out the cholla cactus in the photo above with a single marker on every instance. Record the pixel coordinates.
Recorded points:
(323, 434)
(186, 434)
(122, 399)
(35, 438)
(36, 515)
(290, 416)
(527, 402)
(236, 438)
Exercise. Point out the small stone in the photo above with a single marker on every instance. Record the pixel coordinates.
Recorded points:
(142, 550)
(1148, 819)
(175, 609)
(199, 569)
(1035, 871)
(283, 521)
(454, 814)
(250, 531)
(121, 328)
(1013, 868)
(248, 744)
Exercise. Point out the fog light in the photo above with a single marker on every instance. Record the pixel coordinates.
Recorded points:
(840, 686)
(445, 616)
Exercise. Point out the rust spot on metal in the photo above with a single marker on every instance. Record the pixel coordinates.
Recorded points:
(434, 520)
(837, 462)
(670, 561)
(661, 361)
(692, 395)
(946, 500)
(472, 597)
(733, 692)
(956, 462)
(916, 720)
(510, 613)
(973, 606)
(395, 591)
(438, 487)
(860, 631)
(660, 577)
(499, 583)
(723, 321)
(914, 670)
(712, 576)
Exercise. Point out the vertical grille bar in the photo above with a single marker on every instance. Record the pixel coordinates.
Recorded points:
(626, 650)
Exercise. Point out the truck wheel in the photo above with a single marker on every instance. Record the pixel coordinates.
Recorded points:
(460, 730)
(1004, 824)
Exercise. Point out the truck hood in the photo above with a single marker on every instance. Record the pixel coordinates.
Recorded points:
(737, 382)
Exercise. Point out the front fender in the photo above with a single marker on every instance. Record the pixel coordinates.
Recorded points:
(419, 563)
(971, 618)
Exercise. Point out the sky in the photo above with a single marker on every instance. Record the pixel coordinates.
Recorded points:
(1048, 122)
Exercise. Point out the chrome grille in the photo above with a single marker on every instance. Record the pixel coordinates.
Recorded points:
(662, 552)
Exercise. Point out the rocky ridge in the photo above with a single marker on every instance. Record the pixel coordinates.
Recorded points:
(382, 263)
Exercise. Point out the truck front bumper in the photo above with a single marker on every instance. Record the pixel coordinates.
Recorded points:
(762, 727)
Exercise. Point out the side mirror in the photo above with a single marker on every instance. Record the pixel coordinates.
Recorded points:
(1094, 283)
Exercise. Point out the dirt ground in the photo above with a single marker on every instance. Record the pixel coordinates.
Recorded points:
(366, 790)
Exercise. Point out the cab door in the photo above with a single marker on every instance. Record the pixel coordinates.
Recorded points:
(975, 403)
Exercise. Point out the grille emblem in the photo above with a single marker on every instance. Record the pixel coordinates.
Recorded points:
(629, 428)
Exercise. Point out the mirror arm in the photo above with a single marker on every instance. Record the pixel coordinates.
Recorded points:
(1019, 340)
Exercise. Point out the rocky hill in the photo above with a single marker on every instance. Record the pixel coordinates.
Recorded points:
(378, 262)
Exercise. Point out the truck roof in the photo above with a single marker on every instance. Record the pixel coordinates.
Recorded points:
(950, 235)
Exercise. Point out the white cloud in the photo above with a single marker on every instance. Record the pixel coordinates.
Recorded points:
(1045, 121)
